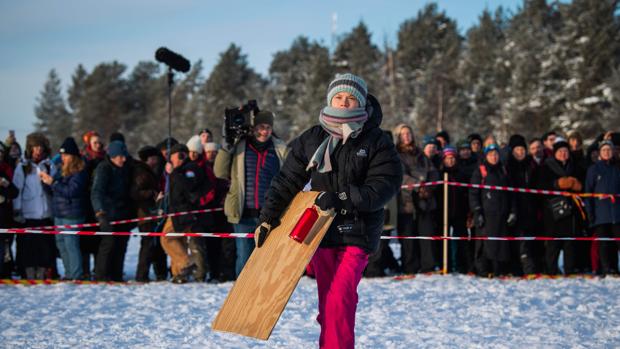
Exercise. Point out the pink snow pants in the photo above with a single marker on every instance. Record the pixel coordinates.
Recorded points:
(338, 271)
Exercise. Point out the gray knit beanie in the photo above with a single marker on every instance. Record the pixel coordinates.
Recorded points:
(350, 83)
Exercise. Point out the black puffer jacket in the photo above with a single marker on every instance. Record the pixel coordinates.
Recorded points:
(188, 184)
(495, 206)
(367, 168)
(110, 190)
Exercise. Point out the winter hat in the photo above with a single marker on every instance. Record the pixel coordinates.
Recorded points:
(517, 141)
(194, 144)
(36, 139)
(444, 135)
(117, 148)
(604, 143)
(147, 151)
(560, 143)
(448, 151)
(463, 144)
(428, 140)
(490, 148)
(164, 144)
(474, 136)
(69, 147)
(350, 83)
(263, 117)
(117, 136)
(178, 148)
(211, 146)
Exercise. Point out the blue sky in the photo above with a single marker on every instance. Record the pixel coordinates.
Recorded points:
(37, 36)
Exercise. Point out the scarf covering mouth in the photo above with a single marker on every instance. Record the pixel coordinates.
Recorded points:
(340, 124)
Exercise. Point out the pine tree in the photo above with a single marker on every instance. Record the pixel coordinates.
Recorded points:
(145, 94)
(357, 54)
(53, 118)
(589, 48)
(611, 121)
(535, 88)
(298, 80)
(426, 61)
(231, 83)
(484, 74)
(104, 101)
(188, 107)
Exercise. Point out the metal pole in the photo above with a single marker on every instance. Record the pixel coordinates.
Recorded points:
(445, 223)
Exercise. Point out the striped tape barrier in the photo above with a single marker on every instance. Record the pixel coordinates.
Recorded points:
(575, 196)
(251, 235)
(133, 220)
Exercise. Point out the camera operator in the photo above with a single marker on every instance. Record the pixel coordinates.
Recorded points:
(250, 163)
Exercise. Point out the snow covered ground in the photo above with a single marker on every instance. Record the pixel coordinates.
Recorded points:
(425, 312)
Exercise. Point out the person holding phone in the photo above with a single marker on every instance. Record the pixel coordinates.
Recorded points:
(36, 253)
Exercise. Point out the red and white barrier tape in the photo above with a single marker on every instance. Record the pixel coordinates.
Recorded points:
(176, 214)
(408, 186)
(421, 184)
(251, 235)
(534, 191)
(133, 220)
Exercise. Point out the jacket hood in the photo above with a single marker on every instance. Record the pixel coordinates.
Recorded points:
(375, 114)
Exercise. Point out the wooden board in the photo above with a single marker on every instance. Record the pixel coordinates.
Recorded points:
(262, 290)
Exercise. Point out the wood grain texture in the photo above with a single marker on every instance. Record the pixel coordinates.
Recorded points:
(266, 283)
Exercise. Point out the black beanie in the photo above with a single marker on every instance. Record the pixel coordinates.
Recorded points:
(473, 136)
(263, 117)
(444, 135)
(147, 151)
(69, 147)
(517, 141)
(164, 144)
(179, 148)
(560, 144)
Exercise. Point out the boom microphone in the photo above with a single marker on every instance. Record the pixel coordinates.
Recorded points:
(172, 59)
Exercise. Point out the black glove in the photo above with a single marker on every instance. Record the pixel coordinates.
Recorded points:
(341, 202)
(266, 225)
(261, 233)
(512, 219)
(479, 220)
(104, 224)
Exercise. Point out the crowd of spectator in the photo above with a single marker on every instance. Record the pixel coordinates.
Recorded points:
(103, 183)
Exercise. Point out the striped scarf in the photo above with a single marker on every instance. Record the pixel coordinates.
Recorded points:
(340, 124)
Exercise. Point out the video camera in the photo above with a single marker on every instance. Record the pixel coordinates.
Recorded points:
(238, 121)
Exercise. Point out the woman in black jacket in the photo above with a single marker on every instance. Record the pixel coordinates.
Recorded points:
(493, 211)
(427, 208)
(604, 214)
(69, 202)
(356, 167)
(560, 214)
(521, 172)
(408, 152)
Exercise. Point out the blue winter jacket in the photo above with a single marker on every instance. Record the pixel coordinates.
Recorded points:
(603, 177)
(70, 195)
